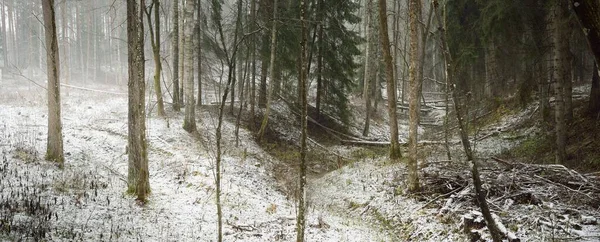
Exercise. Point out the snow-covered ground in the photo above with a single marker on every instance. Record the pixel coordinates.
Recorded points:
(91, 203)
(362, 201)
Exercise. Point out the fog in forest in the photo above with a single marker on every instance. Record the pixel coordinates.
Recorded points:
(307, 120)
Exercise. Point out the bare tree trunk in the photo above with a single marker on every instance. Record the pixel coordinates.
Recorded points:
(231, 57)
(262, 93)
(13, 34)
(66, 67)
(182, 54)
(491, 223)
(199, 49)
(265, 121)
(491, 70)
(242, 98)
(588, 13)
(155, 42)
(415, 73)
(391, 88)
(544, 91)
(320, 58)
(137, 178)
(54, 149)
(253, 50)
(396, 38)
(189, 121)
(302, 72)
(568, 91)
(560, 50)
(3, 30)
(594, 104)
(175, 42)
(367, 93)
(238, 27)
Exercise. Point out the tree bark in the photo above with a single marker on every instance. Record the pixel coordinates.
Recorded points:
(199, 49)
(155, 42)
(253, 50)
(302, 72)
(182, 54)
(13, 34)
(367, 92)
(265, 121)
(65, 43)
(54, 148)
(588, 13)
(4, 31)
(594, 103)
(175, 42)
(262, 93)
(561, 51)
(491, 70)
(415, 72)
(238, 27)
(320, 58)
(391, 88)
(189, 121)
(137, 178)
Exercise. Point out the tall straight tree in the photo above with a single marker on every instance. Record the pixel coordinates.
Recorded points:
(320, 13)
(155, 42)
(265, 121)
(414, 75)
(594, 104)
(265, 6)
(137, 179)
(4, 32)
(302, 75)
(199, 49)
(559, 14)
(391, 86)
(54, 149)
(189, 122)
(369, 52)
(253, 24)
(175, 52)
